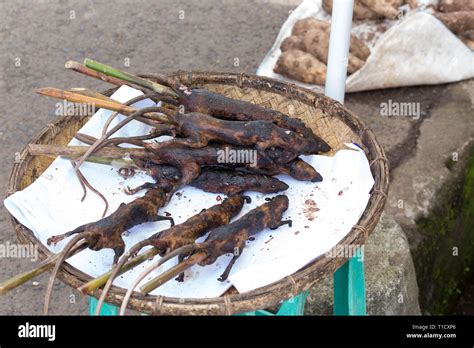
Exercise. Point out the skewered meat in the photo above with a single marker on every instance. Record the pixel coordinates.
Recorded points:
(222, 240)
(107, 233)
(197, 130)
(180, 235)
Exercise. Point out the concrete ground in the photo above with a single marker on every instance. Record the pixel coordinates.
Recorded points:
(153, 36)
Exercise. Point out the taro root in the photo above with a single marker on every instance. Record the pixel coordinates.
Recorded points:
(360, 10)
(292, 42)
(317, 43)
(385, 8)
(458, 22)
(301, 27)
(301, 66)
(455, 5)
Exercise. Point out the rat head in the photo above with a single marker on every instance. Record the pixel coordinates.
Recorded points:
(233, 205)
(309, 144)
(300, 170)
(319, 145)
(278, 205)
(275, 184)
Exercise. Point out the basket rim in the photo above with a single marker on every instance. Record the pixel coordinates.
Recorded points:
(273, 293)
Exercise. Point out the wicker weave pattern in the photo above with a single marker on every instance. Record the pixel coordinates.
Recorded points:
(328, 119)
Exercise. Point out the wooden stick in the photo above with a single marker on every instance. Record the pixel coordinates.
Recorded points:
(116, 106)
(180, 251)
(101, 280)
(45, 265)
(122, 75)
(84, 99)
(111, 153)
(89, 93)
(76, 242)
(172, 272)
(78, 67)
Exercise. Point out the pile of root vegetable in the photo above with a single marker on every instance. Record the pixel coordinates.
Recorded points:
(202, 125)
(304, 54)
(458, 16)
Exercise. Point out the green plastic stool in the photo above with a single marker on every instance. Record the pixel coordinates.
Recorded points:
(349, 294)
(107, 308)
(292, 306)
(349, 287)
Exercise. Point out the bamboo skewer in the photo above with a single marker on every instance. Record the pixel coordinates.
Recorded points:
(172, 272)
(90, 93)
(106, 155)
(122, 75)
(78, 67)
(180, 251)
(45, 265)
(101, 280)
(111, 105)
(78, 241)
(149, 118)
(85, 99)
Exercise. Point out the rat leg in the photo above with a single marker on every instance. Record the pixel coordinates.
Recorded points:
(180, 278)
(227, 270)
(162, 218)
(281, 223)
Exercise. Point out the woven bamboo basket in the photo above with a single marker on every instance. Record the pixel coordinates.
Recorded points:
(328, 119)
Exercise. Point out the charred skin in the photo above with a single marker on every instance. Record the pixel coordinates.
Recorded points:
(217, 105)
(298, 169)
(301, 170)
(196, 226)
(215, 180)
(222, 240)
(182, 235)
(231, 183)
(165, 176)
(265, 165)
(231, 238)
(178, 155)
(107, 232)
(189, 161)
(199, 129)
